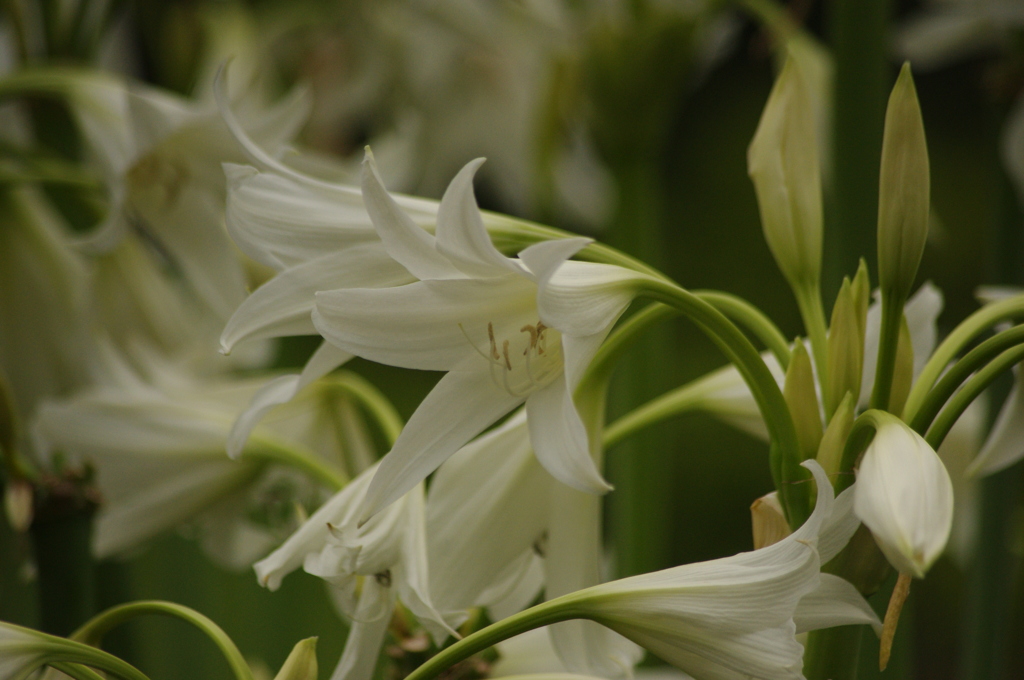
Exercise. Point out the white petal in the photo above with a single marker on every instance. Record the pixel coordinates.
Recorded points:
(283, 305)
(543, 259)
(428, 325)
(840, 527)
(487, 506)
(281, 222)
(1005, 445)
(457, 409)
(407, 243)
(905, 497)
(835, 602)
(280, 391)
(362, 648)
(461, 236)
(560, 440)
(165, 502)
(584, 298)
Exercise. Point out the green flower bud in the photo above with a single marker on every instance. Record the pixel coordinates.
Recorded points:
(301, 663)
(802, 400)
(845, 349)
(861, 289)
(903, 192)
(783, 163)
(903, 375)
(830, 451)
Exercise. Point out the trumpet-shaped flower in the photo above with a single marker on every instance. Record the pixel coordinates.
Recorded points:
(157, 436)
(369, 567)
(736, 617)
(905, 497)
(474, 313)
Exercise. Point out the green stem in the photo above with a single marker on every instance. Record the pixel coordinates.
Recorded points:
(971, 390)
(264, 448)
(964, 334)
(619, 341)
(689, 397)
(950, 382)
(888, 341)
(739, 350)
(753, 319)
(543, 614)
(93, 631)
(76, 671)
(808, 299)
(373, 400)
(829, 653)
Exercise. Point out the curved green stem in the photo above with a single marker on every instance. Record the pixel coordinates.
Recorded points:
(373, 400)
(971, 389)
(753, 319)
(962, 335)
(544, 614)
(94, 630)
(950, 382)
(619, 341)
(264, 448)
(739, 350)
(861, 434)
(76, 671)
(689, 397)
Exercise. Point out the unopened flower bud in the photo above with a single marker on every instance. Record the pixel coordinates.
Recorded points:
(301, 663)
(904, 496)
(845, 349)
(802, 400)
(903, 193)
(783, 163)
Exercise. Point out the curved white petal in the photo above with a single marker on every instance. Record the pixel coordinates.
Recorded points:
(487, 506)
(461, 236)
(905, 497)
(428, 325)
(281, 222)
(584, 298)
(840, 527)
(560, 440)
(280, 391)
(362, 648)
(461, 405)
(283, 305)
(835, 602)
(406, 242)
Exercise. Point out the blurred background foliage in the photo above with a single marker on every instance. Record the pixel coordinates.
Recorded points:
(684, 489)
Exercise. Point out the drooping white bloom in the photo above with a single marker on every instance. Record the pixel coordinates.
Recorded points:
(369, 567)
(732, 617)
(157, 434)
(161, 157)
(905, 497)
(474, 313)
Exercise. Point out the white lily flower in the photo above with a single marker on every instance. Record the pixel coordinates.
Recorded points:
(161, 157)
(474, 313)
(158, 438)
(732, 617)
(905, 497)
(369, 567)
(487, 518)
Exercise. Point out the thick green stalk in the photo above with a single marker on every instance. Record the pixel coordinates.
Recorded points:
(858, 33)
(833, 653)
(785, 450)
(94, 630)
(373, 400)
